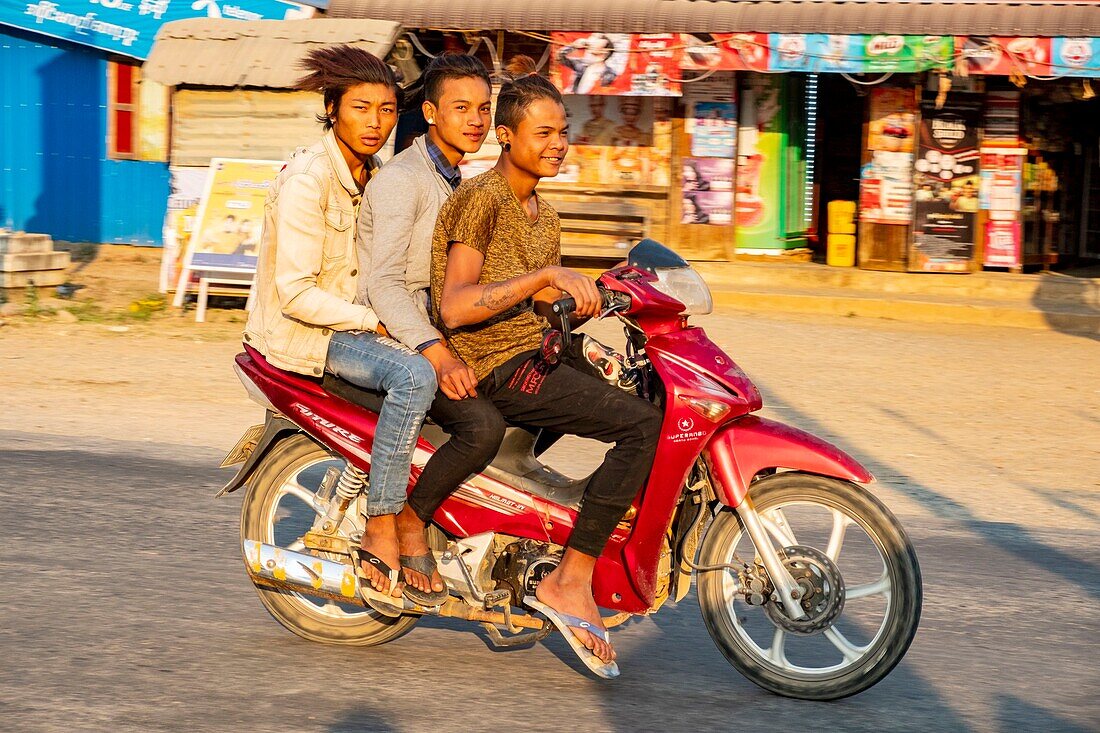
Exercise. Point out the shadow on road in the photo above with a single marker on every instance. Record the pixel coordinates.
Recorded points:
(1011, 710)
(1070, 302)
(1011, 537)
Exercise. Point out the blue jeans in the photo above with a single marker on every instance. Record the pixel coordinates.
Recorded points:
(408, 380)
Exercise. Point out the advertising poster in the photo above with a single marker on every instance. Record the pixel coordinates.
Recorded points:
(907, 54)
(1076, 57)
(946, 185)
(1002, 243)
(231, 215)
(717, 86)
(1001, 194)
(645, 65)
(729, 52)
(893, 124)
(1002, 119)
(613, 141)
(886, 189)
(713, 129)
(128, 27)
(707, 190)
(761, 140)
(1005, 56)
(816, 52)
(660, 155)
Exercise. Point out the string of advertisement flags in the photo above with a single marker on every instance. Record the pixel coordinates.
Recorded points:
(653, 64)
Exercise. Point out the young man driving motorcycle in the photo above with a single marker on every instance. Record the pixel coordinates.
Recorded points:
(495, 273)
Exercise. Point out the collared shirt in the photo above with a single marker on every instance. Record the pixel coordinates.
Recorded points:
(450, 173)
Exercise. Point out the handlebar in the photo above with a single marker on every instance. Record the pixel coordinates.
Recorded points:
(611, 299)
(563, 307)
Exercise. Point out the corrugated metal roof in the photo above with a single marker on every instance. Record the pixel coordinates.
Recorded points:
(219, 52)
(915, 17)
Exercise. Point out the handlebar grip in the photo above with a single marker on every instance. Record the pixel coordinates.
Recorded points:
(564, 306)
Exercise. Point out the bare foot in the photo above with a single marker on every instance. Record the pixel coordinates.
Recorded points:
(412, 540)
(576, 599)
(380, 539)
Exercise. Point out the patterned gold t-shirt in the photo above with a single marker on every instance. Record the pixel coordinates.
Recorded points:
(484, 213)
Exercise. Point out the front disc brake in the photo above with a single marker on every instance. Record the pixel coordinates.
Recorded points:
(822, 588)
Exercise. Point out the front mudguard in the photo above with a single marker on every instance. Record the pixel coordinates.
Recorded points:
(742, 449)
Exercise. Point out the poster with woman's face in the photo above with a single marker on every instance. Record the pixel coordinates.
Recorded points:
(706, 191)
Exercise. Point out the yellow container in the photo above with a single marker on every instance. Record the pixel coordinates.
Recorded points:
(840, 250)
(842, 217)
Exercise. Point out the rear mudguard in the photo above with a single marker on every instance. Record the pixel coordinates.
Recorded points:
(275, 427)
(749, 445)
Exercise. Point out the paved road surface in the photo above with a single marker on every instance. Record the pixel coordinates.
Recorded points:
(125, 606)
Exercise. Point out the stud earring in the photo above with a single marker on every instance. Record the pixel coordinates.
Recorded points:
(431, 120)
(507, 147)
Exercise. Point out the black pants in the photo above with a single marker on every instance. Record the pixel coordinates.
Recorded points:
(566, 399)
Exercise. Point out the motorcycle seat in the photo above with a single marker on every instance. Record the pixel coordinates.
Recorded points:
(515, 464)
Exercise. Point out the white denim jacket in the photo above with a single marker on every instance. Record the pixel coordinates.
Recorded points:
(308, 267)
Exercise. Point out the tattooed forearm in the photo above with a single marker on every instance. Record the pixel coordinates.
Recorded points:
(496, 297)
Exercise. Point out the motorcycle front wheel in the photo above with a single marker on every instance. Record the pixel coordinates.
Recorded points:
(281, 506)
(859, 575)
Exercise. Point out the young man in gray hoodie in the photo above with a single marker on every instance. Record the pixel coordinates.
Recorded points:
(397, 217)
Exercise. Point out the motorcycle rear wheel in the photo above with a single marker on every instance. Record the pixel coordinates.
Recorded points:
(896, 586)
(297, 462)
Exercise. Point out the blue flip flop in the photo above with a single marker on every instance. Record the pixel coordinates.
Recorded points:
(563, 622)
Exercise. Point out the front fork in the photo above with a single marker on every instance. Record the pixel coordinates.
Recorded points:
(722, 471)
(789, 592)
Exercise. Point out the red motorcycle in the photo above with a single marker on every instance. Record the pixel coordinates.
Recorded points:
(806, 582)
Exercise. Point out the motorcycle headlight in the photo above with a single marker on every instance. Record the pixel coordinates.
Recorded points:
(687, 286)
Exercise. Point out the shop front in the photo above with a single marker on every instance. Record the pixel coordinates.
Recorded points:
(732, 144)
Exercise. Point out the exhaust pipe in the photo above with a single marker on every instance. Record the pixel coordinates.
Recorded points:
(278, 567)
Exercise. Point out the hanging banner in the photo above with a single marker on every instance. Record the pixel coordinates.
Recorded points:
(893, 124)
(643, 65)
(1001, 195)
(729, 52)
(707, 191)
(128, 27)
(1004, 56)
(886, 188)
(946, 182)
(816, 52)
(1076, 57)
(906, 54)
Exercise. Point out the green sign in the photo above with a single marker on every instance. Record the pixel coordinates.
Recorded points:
(906, 54)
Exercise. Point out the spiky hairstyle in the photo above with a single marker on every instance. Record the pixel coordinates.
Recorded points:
(332, 70)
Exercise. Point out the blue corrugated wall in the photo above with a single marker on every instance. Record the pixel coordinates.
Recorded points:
(54, 173)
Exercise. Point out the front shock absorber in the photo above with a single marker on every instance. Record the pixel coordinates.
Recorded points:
(348, 487)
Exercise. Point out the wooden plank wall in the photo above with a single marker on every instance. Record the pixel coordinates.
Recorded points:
(241, 123)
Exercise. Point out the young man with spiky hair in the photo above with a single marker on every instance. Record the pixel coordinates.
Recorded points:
(305, 319)
(396, 221)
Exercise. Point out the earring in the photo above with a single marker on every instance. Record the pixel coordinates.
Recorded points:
(431, 120)
(507, 147)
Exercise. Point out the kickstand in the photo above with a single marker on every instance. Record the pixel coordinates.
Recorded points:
(530, 637)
